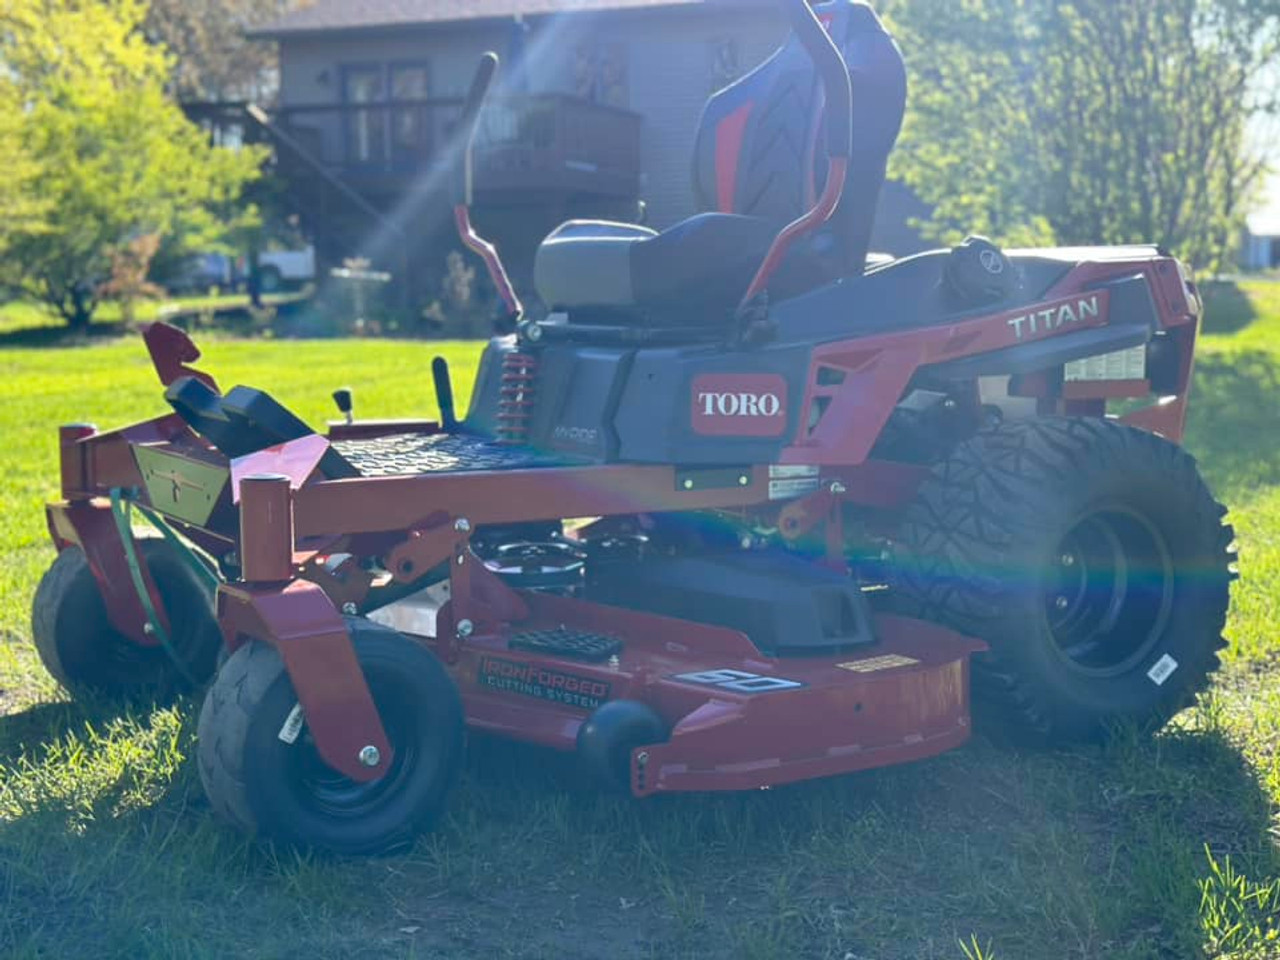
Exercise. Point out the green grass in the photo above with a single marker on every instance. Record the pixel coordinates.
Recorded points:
(25, 320)
(26, 315)
(107, 848)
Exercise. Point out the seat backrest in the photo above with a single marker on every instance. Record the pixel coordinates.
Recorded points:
(760, 152)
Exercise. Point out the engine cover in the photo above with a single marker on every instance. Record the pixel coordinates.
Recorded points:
(694, 406)
(785, 605)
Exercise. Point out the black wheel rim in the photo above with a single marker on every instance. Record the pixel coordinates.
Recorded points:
(322, 790)
(142, 665)
(133, 663)
(1109, 591)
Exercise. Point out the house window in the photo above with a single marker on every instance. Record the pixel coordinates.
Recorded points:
(410, 117)
(388, 120)
(365, 126)
(600, 73)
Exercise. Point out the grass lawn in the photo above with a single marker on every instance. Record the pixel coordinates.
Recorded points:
(107, 848)
(23, 322)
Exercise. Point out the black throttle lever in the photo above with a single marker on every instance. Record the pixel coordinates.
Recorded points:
(444, 393)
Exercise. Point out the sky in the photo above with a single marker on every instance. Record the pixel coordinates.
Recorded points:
(1266, 219)
(1265, 136)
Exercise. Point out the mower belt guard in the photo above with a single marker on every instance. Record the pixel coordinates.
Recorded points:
(906, 699)
(739, 720)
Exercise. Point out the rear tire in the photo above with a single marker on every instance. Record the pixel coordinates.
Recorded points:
(82, 651)
(283, 791)
(1093, 560)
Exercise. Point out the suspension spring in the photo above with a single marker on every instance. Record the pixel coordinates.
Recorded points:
(516, 396)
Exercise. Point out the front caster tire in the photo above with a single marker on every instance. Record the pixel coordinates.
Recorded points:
(283, 791)
(607, 737)
(83, 652)
(1093, 560)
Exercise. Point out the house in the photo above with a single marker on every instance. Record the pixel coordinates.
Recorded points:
(598, 107)
(1261, 247)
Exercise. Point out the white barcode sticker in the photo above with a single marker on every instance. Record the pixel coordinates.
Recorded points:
(786, 489)
(779, 471)
(1162, 670)
(292, 725)
(1128, 364)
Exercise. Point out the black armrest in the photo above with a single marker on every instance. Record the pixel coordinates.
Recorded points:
(245, 421)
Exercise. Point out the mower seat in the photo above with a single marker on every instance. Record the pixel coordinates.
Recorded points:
(759, 164)
(708, 259)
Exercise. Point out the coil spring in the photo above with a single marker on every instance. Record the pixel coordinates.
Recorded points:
(516, 396)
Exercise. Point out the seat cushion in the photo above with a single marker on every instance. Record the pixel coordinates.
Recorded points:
(706, 261)
(588, 263)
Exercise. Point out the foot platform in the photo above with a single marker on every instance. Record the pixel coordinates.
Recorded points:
(563, 642)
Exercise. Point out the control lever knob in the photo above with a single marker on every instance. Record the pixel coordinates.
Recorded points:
(345, 401)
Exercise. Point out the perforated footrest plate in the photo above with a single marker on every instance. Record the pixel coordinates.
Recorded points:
(564, 642)
(411, 454)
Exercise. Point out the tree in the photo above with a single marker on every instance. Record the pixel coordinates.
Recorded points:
(114, 158)
(968, 134)
(20, 207)
(215, 60)
(1087, 120)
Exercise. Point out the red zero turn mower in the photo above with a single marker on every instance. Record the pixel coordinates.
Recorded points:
(825, 502)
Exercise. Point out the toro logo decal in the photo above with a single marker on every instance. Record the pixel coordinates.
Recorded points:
(1074, 312)
(739, 405)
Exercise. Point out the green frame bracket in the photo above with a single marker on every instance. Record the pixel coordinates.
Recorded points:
(121, 512)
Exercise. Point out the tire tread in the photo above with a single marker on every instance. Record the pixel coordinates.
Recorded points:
(975, 506)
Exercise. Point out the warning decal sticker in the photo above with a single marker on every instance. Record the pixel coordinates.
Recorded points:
(886, 662)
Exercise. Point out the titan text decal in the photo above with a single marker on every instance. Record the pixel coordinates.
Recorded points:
(1055, 316)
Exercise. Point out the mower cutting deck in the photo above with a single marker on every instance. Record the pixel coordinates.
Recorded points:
(741, 510)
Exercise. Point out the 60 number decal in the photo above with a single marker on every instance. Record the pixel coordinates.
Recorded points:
(738, 681)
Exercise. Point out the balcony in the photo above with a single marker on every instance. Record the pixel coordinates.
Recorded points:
(550, 143)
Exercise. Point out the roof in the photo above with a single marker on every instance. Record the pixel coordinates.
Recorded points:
(336, 15)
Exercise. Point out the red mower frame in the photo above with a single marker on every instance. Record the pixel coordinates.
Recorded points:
(737, 718)
(289, 518)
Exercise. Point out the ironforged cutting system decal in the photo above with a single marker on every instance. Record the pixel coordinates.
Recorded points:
(739, 405)
(532, 680)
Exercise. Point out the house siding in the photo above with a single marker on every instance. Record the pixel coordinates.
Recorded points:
(1260, 252)
(672, 70)
(669, 57)
(311, 67)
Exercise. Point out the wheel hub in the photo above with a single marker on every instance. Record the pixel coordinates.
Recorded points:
(1108, 596)
(321, 788)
